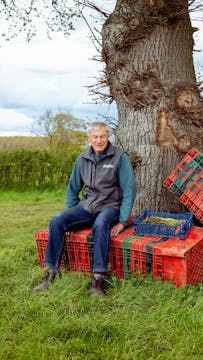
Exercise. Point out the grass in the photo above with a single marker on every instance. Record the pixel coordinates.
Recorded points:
(139, 318)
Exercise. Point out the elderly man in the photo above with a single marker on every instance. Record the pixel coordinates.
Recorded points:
(105, 175)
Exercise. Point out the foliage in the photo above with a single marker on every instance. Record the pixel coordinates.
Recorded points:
(61, 131)
(139, 318)
(25, 16)
(22, 16)
(35, 169)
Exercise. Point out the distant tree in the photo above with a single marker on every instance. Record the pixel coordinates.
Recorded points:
(61, 131)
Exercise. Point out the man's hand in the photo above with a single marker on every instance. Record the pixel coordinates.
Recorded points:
(116, 229)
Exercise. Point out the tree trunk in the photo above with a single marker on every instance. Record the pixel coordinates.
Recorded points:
(147, 48)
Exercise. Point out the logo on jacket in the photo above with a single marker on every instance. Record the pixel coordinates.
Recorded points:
(107, 166)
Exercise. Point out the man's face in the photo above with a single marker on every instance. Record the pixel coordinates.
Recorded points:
(99, 140)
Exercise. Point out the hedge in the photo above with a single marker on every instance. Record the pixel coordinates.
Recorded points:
(35, 169)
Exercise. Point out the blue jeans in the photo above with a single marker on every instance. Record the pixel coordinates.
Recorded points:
(77, 218)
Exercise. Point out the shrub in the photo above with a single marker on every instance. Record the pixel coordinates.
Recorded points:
(35, 169)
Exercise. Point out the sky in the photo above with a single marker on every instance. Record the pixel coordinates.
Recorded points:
(54, 74)
(46, 74)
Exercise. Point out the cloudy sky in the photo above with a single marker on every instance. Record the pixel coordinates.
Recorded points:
(46, 74)
(53, 74)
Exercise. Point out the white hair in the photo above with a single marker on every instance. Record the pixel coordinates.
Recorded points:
(97, 125)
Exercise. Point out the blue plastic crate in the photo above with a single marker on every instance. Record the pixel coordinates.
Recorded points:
(157, 229)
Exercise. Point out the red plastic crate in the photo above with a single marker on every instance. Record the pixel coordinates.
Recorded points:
(70, 250)
(194, 208)
(139, 257)
(180, 168)
(186, 179)
(41, 237)
(42, 234)
(83, 250)
(195, 192)
(126, 255)
(180, 261)
(116, 252)
(193, 153)
(193, 197)
(41, 248)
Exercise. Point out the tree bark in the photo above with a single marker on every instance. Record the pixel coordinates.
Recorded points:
(147, 49)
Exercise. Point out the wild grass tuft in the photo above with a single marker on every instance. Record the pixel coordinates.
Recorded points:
(139, 318)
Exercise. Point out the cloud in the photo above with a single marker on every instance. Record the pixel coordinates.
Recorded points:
(30, 91)
(17, 122)
(45, 74)
(51, 72)
(13, 122)
(198, 45)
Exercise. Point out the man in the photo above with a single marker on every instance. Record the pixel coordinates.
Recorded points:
(105, 175)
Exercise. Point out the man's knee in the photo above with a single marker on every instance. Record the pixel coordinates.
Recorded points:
(56, 219)
(101, 223)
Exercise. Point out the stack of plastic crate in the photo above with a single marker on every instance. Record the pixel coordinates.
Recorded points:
(186, 182)
(71, 252)
(77, 253)
(141, 250)
(135, 254)
(116, 258)
(78, 250)
(83, 250)
(41, 237)
(180, 261)
(151, 228)
(173, 250)
(126, 255)
(168, 259)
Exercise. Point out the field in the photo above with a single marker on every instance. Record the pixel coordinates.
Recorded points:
(139, 319)
(10, 143)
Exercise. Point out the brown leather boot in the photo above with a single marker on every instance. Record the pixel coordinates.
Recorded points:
(44, 285)
(98, 287)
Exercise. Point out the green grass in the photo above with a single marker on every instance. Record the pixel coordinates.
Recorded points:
(139, 318)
